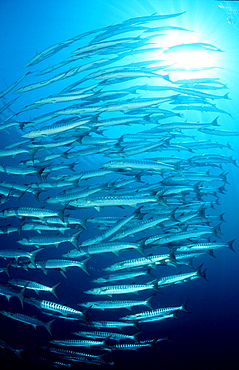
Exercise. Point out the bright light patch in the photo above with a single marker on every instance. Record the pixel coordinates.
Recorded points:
(190, 60)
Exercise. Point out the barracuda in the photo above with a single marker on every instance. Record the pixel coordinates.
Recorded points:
(28, 320)
(158, 318)
(57, 308)
(112, 247)
(114, 200)
(51, 240)
(182, 278)
(174, 237)
(13, 152)
(103, 305)
(79, 343)
(37, 287)
(126, 73)
(11, 87)
(205, 246)
(56, 264)
(133, 346)
(104, 44)
(99, 238)
(142, 226)
(16, 254)
(111, 324)
(122, 276)
(123, 289)
(40, 213)
(73, 194)
(139, 164)
(8, 292)
(155, 312)
(150, 261)
(106, 335)
(55, 129)
(20, 170)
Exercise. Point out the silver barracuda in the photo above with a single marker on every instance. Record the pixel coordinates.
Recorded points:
(141, 226)
(114, 200)
(113, 247)
(9, 292)
(52, 307)
(50, 240)
(106, 335)
(28, 320)
(103, 44)
(205, 246)
(150, 261)
(157, 318)
(139, 164)
(55, 264)
(79, 343)
(123, 289)
(16, 254)
(131, 346)
(122, 276)
(33, 285)
(111, 324)
(103, 305)
(40, 213)
(99, 238)
(55, 129)
(11, 87)
(13, 152)
(174, 237)
(155, 312)
(181, 278)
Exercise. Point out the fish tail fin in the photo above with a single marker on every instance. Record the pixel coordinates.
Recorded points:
(33, 255)
(21, 294)
(161, 201)
(136, 335)
(54, 289)
(74, 239)
(184, 306)
(230, 245)
(84, 264)
(149, 301)
(201, 273)
(214, 122)
(48, 326)
(60, 214)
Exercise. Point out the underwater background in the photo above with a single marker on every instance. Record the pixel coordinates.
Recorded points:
(205, 338)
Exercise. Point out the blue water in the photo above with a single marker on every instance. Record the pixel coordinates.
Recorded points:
(207, 337)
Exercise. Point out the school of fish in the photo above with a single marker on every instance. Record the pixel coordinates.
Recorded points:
(106, 166)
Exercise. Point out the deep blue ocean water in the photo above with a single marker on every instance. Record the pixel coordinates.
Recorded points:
(207, 337)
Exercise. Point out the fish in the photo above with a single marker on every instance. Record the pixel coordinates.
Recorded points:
(39, 213)
(16, 254)
(28, 320)
(50, 240)
(107, 335)
(103, 305)
(37, 287)
(9, 292)
(122, 289)
(156, 312)
(79, 343)
(150, 261)
(196, 46)
(182, 278)
(56, 308)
